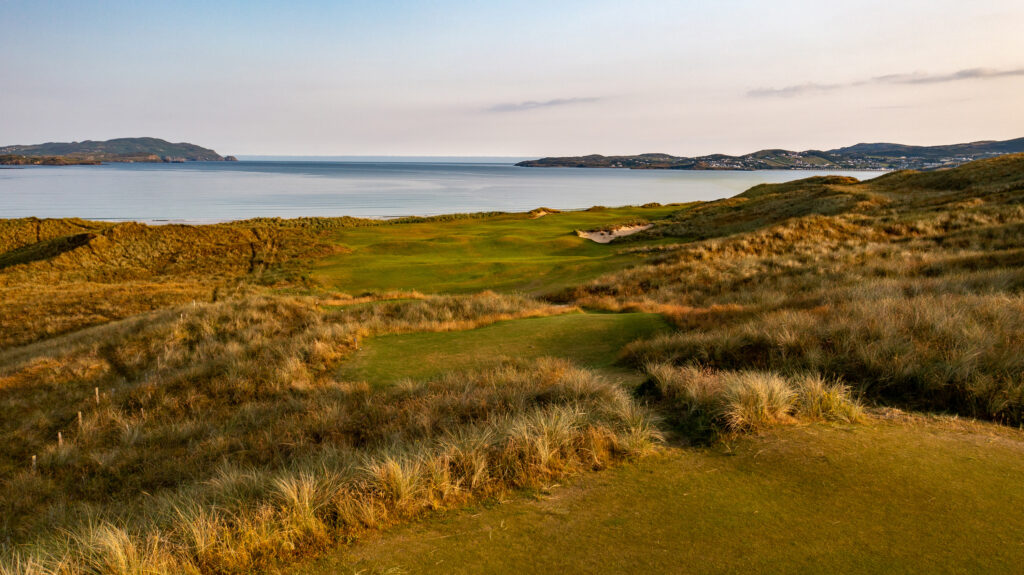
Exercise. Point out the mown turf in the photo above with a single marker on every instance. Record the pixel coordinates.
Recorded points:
(506, 252)
(588, 339)
(878, 498)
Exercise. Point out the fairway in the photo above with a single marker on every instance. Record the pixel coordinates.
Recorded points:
(503, 252)
(588, 339)
(914, 497)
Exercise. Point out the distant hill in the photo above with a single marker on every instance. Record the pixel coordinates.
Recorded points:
(116, 150)
(881, 156)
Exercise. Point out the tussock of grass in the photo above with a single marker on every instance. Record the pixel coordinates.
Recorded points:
(752, 400)
(703, 402)
(818, 398)
(248, 379)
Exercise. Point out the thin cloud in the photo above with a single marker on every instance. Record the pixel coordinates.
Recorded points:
(969, 74)
(797, 90)
(535, 104)
(916, 78)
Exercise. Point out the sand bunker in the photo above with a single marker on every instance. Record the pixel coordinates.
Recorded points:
(605, 236)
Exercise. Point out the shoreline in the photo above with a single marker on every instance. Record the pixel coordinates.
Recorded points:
(532, 214)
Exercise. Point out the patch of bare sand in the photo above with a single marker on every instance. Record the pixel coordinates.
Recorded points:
(605, 236)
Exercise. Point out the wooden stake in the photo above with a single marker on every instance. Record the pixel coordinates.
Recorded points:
(97, 390)
(60, 440)
(33, 463)
(79, 420)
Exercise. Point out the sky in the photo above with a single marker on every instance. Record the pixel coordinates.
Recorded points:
(525, 78)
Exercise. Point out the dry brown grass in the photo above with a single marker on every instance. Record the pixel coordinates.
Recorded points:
(32, 312)
(220, 444)
(704, 402)
(57, 276)
(134, 251)
(912, 297)
(248, 380)
(955, 352)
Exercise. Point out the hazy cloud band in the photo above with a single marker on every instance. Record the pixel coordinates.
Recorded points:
(534, 104)
(916, 78)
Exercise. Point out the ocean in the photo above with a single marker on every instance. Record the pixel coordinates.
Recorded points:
(204, 192)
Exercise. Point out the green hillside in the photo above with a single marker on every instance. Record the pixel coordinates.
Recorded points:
(118, 150)
(856, 157)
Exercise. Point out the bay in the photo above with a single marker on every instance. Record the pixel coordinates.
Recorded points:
(203, 192)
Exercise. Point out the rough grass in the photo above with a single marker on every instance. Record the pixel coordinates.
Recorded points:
(704, 403)
(33, 312)
(956, 353)
(57, 276)
(907, 495)
(910, 292)
(134, 251)
(213, 438)
(389, 455)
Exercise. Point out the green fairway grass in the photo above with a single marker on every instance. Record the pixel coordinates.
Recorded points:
(919, 497)
(505, 252)
(589, 339)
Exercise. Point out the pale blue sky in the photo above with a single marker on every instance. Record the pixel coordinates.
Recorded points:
(520, 79)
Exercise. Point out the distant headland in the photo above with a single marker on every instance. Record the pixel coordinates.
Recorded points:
(858, 157)
(128, 150)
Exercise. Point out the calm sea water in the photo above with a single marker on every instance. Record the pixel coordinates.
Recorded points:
(221, 191)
